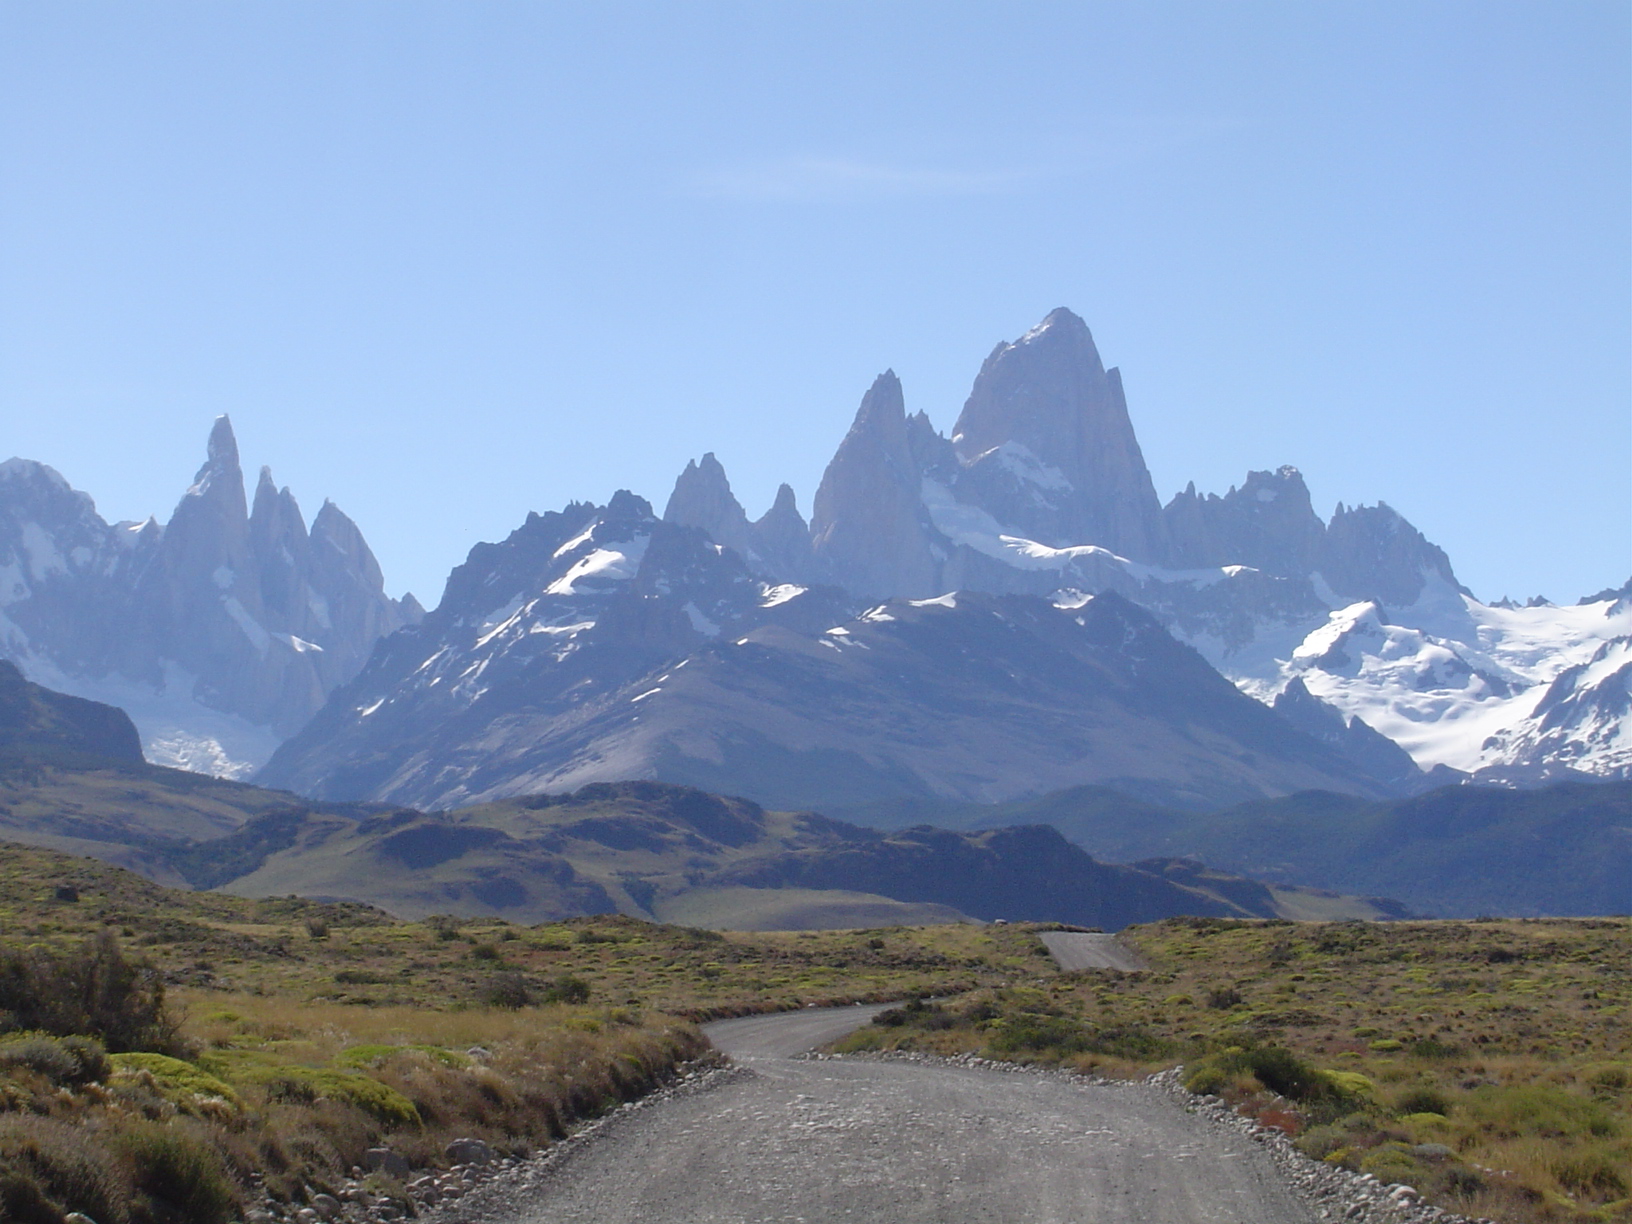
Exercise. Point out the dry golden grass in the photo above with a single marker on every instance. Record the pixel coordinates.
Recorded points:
(314, 1031)
(1515, 1032)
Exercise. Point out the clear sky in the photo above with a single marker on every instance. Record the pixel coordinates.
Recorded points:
(447, 263)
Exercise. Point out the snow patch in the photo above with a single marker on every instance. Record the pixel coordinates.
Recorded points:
(781, 594)
(602, 566)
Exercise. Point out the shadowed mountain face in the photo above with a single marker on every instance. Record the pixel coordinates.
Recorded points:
(35, 721)
(221, 631)
(600, 644)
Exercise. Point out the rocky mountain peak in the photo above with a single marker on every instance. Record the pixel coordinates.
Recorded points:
(628, 506)
(1049, 448)
(220, 473)
(867, 521)
(1372, 552)
(1268, 524)
(702, 498)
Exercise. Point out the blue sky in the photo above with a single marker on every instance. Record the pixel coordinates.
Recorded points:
(447, 263)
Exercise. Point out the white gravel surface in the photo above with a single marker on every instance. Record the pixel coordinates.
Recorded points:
(894, 1141)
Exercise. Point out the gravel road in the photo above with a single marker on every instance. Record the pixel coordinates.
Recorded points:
(1075, 950)
(786, 1140)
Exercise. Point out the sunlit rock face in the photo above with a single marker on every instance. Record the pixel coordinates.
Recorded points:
(220, 632)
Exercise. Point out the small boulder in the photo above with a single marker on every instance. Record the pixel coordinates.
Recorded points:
(384, 1160)
(326, 1205)
(469, 1151)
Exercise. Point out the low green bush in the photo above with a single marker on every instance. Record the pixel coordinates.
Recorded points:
(1422, 1100)
(1537, 1109)
(374, 1055)
(1278, 1070)
(306, 1084)
(179, 1082)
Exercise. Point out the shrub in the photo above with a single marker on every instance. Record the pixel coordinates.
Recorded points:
(69, 1062)
(1422, 1100)
(567, 989)
(511, 990)
(48, 1169)
(1278, 1070)
(1594, 1172)
(1537, 1110)
(1432, 1049)
(95, 992)
(1391, 1163)
(178, 1082)
(178, 1174)
(303, 1085)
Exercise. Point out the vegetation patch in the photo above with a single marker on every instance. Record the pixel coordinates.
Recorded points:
(1487, 1063)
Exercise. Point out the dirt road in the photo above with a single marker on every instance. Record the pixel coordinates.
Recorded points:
(784, 1140)
(1077, 950)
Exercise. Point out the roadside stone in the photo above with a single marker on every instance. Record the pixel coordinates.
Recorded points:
(326, 1205)
(384, 1160)
(469, 1151)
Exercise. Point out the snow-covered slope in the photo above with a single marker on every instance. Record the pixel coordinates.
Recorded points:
(1519, 689)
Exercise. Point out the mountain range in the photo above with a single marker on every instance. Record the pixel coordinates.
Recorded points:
(221, 632)
(977, 617)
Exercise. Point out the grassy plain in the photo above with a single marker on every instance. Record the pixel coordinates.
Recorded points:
(309, 1032)
(1488, 1063)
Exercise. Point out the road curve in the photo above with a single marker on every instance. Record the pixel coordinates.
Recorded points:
(1082, 950)
(784, 1034)
(807, 1141)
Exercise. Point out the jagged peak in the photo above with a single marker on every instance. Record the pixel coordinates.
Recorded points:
(223, 445)
(625, 504)
(883, 407)
(704, 478)
(785, 502)
(333, 523)
(1060, 321)
(220, 471)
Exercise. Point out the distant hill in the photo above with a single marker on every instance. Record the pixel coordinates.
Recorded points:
(35, 721)
(649, 849)
(1457, 851)
(641, 848)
